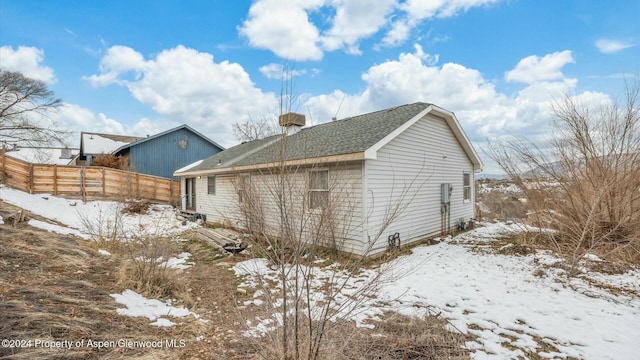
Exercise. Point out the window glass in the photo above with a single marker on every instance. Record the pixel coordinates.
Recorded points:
(466, 186)
(211, 185)
(318, 188)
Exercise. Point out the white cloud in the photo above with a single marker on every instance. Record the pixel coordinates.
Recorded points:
(534, 68)
(278, 71)
(483, 111)
(413, 12)
(610, 46)
(355, 20)
(76, 118)
(424, 9)
(287, 28)
(284, 28)
(183, 85)
(27, 60)
(400, 30)
(118, 61)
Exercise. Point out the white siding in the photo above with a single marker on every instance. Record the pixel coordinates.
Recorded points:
(345, 183)
(407, 174)
(221, 207)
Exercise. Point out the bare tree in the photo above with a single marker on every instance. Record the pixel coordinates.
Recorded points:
(297, 215)
(585, 181)
(293, 228)
(255, 129)
(25, 106)
(265, 126)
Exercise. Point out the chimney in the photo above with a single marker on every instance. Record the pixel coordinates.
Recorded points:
(293, 122)
(65, 153)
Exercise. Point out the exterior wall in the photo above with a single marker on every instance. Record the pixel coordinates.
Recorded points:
(344, 211)
(406, 176)
(165, 154)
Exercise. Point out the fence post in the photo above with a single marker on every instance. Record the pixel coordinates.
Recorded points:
(104, 183)
(3, 174)
(30, 182)
(137, 185)
(55, 179)
(171, 191)
(83, 192)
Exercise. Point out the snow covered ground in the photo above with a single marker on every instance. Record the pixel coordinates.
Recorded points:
(501, 299)
(93, 217)
(512, 304)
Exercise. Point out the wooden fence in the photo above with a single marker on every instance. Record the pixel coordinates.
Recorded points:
(86, 182)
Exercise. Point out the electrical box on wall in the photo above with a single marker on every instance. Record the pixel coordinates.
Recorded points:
(445, 191)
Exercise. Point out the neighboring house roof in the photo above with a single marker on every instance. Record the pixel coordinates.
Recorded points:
(96, 143)
(357, 137)
(184, 126)
(44, 155)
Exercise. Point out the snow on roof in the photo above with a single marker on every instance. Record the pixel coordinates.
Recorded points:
(97, 144)
(58, 156)
(189, 166)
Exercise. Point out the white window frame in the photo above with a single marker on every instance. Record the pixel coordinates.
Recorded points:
(467, 190)
(312, 191)
(209, 186)
(244, 181)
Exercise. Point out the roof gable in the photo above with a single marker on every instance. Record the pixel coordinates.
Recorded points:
(158, 135)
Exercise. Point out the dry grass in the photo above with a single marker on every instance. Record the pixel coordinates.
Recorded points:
(394, 337)
(145, 270)
(52, 287)
(57, 287)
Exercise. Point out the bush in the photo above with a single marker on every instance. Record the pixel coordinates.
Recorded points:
(111, 161)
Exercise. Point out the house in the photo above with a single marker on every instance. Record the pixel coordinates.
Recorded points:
(157, 155)
(93, 144)
(44, 155)
(403, 173)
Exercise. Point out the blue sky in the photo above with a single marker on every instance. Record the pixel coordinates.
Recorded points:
(140, 67)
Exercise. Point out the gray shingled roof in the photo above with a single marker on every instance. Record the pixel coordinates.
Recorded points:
(346, 136)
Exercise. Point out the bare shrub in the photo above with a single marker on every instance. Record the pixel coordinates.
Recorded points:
(497, 200)
(293, 228)
(585, 181)
(146, 269)
(136, 207)
(111, 161)
(104, 226)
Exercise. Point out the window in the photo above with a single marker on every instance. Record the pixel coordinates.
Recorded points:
(211, 185)
(466, 186)
(318, 188)
(243, 187)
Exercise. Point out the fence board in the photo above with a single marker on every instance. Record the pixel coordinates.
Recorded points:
(85, 182)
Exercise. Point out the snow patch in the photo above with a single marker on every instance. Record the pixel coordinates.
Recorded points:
(104, 252)
(137, 305)
(56, 228)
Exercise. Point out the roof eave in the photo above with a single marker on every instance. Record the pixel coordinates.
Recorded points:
(289, 163)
